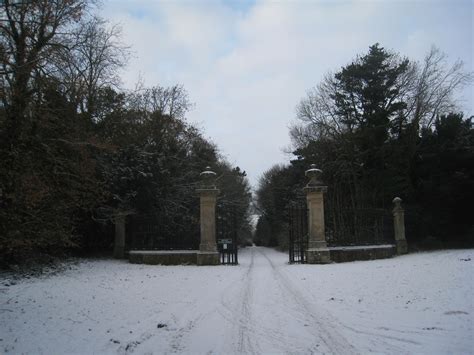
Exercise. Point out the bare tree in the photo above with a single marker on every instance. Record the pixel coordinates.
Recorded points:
(428, 89)
(433, 86)
(29, 32)
(91, 62)
(172, 101)
(318, 108)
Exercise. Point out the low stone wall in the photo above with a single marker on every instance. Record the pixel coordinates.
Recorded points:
(163, 257)
(368, 252)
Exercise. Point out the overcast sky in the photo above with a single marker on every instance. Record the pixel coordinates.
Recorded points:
(246, 64)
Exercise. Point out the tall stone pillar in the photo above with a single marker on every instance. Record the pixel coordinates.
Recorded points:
(208, 254)
(399, 226)
(318, 252)
(119, 242)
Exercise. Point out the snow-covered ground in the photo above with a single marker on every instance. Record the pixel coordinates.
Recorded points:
(418, 303)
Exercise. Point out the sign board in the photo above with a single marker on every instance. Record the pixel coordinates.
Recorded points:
(224, 241)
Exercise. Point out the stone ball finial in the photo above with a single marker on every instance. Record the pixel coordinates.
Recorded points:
(314, 175)
(208, 178)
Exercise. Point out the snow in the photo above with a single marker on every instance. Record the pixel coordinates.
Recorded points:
(417, 303)
(363, 247)
(162, 252)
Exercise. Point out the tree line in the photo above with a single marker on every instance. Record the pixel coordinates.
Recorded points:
(382, 126)
(77, 151)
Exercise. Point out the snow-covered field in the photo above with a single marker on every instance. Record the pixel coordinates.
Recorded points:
(418, 303)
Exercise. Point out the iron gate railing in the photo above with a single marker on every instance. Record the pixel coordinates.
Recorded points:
(227, 234)
(146, 232)
(298, 232)
(357, 227)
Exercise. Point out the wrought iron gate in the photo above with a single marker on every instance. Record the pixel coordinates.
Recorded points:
(298, 232)
(146, 232)
(358, 226)
(227, 234)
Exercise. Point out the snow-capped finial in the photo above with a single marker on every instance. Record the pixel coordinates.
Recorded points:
(208, 178)
(314, 175)
(397, 201)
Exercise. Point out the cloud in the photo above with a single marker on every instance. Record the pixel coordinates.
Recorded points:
(247, 64)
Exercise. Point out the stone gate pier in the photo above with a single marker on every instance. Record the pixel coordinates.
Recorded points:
(317, 252)
(343, 247)
(208, 254)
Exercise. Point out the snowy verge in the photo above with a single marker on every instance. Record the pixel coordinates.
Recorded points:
(417, 303)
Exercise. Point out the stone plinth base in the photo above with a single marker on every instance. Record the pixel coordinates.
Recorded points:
(318, 256)
(208, 258)
(402, 246)
(163, 257)
(367, 252)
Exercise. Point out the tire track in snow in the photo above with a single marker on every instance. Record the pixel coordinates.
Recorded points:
(245, 342)
(317, 331)
(376, 339)
(176, 344)
(332, 324)
(239, 307)
(261, 291)
(235, 308)
(324, 326)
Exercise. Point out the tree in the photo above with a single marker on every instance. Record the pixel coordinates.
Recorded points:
(445, 178)
(44, 177)
(30, 32)
(77, 151)
(155, 168)
(234, 199)
(172, 101)
(378, 98)
(432, 88)
(48, 179)
(277, 188)
(90, 63)
(367, 127)
(51, 184)
(376, 87)
(367, 93)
